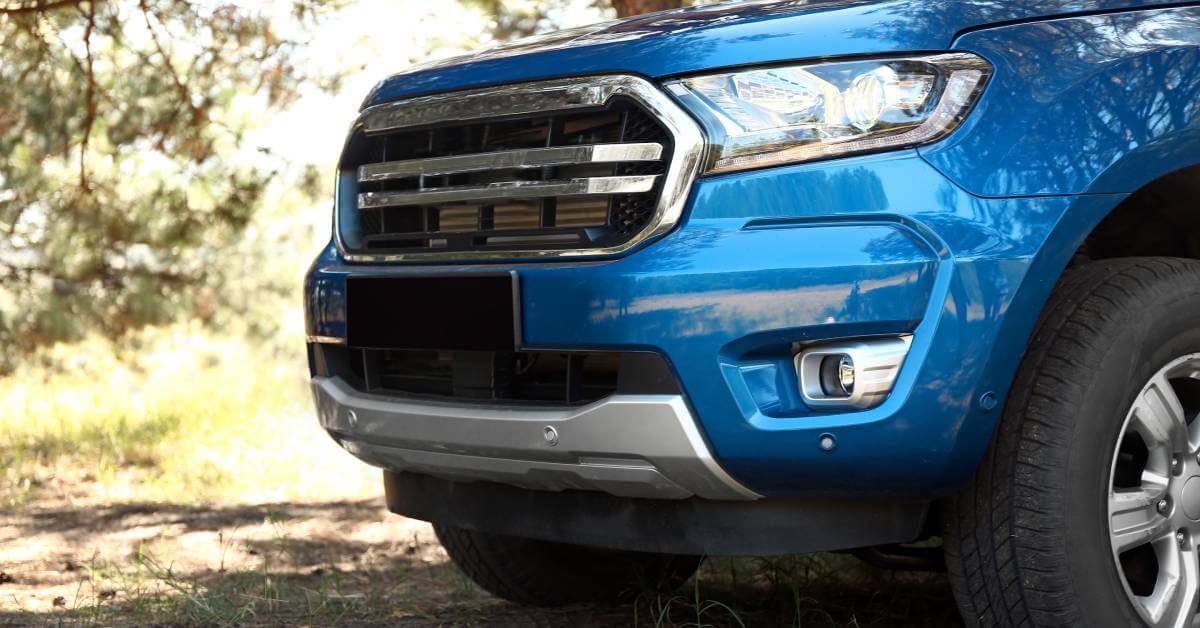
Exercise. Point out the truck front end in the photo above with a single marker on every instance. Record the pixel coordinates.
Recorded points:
(575, 287)
(703, 283)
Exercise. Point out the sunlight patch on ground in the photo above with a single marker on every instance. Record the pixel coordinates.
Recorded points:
(233, 564)
(184, 417)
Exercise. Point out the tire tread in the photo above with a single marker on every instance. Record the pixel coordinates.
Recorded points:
(1003, 571)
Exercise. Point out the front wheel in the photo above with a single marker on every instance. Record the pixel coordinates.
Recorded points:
(1086, 508)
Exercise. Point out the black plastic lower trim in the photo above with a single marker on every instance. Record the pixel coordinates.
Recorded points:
(559, 377)
(693, 526)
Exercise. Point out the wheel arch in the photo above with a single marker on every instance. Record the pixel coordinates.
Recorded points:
(1159, 219)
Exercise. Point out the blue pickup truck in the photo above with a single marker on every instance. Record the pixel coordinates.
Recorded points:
(795, 276)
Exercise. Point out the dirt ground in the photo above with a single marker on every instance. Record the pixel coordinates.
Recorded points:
(70, 560)
(347, 562)
(202, 497)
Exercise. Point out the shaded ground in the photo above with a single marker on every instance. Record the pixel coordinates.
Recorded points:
(352, 563)
(203, 497)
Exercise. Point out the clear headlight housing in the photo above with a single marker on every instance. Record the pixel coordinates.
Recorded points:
(789, 114)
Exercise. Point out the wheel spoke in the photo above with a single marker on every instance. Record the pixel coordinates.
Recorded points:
(1173, 603)
(1158, 416)
(1193, 427)
(1135, 517)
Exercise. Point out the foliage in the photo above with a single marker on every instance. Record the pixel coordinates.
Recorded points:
(521, 18)
(626, 8)
(124, 175)
(127, 187)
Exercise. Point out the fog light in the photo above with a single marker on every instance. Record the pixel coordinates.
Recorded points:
(837, 375)
(852, 375)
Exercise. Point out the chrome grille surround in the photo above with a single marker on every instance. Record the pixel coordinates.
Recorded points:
(528, 99)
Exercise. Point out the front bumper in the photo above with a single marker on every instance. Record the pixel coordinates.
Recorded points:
(767, 260)
(644, 446)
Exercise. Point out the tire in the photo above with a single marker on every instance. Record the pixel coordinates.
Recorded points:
(541, 573)
(1030, 541)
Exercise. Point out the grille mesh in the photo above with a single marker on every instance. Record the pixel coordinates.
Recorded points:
(506, 185)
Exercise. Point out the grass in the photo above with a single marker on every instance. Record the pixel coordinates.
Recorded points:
(182, 480)
(189, 418)
(150, 589)
(843, 595)
(275, 568)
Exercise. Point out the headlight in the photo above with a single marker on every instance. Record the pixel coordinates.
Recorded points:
(772, 116)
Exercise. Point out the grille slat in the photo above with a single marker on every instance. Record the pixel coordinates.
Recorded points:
(477, 238)
(509, 190)
(591, 171)
(511, 160)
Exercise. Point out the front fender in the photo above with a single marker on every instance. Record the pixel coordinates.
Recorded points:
(1095, 104)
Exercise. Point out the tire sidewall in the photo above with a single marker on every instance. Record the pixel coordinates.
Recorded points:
(1166, 329)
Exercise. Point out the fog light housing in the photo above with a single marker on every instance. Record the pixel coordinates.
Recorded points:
(837, 375)
(851, 375)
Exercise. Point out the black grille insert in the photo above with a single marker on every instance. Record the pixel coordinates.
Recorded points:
(501, 185)
(558, 378)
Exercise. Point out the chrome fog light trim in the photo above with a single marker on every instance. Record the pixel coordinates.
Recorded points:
(857, 374)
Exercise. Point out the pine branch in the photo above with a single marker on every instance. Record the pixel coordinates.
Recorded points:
(185, 96)
(38, 7)
(90, 116)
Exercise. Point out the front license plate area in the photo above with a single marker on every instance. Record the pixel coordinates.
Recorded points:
(436, 312)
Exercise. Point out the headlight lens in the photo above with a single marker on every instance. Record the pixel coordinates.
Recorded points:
(780, 115)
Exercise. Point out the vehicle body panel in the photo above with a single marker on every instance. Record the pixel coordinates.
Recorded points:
(958, 243)
(1095, 104)
(730, 34)
(858, 247)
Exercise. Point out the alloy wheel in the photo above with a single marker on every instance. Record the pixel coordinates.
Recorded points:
(1154, 497)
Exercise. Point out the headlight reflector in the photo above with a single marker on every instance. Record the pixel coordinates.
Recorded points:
(771, 116)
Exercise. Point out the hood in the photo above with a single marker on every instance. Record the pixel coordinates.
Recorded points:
(730, 34)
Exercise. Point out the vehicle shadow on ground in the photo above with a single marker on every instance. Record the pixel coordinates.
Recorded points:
(352, 563)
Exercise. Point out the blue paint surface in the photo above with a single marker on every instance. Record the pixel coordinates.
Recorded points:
(873, 245)
(729, 34)
(1081, 105)
(959, 243)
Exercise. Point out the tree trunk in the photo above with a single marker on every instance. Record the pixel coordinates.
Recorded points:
(626, 8)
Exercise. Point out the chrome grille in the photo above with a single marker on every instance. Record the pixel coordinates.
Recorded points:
(589, 166)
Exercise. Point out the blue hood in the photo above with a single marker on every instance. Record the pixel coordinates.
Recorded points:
(730, 34)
